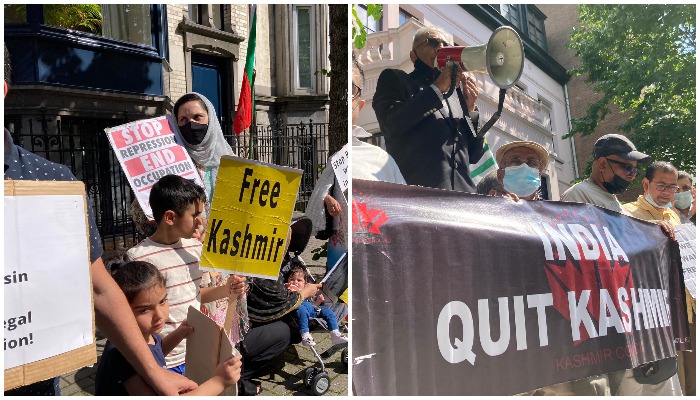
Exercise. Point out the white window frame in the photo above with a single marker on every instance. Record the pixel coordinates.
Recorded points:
(298, 89)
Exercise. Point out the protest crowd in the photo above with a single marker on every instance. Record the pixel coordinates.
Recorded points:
(614, 269)
(146, 307)
(432, 138)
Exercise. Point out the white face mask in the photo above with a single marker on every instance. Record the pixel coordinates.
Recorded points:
(521, 180)
(653, 203)
(683, 200)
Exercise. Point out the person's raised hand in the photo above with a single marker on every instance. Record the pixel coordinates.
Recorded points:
(319, 299)
(292, 287)
(444, 81)
(667, 228)
(511, 196)
(332, 205)
(230, 370)
(236, 284)
(469, 89)
(310, 289)
(184, 329)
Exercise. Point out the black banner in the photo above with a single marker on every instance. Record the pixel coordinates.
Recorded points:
(459, 294)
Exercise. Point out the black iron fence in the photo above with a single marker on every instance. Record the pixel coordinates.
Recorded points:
(80, 144)
(303, 146)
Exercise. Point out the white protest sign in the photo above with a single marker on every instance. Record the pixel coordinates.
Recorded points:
(148, 150)
(340, 162)
(685, 234)
(48, 296)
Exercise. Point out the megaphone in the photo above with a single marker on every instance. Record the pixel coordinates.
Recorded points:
(502, 57)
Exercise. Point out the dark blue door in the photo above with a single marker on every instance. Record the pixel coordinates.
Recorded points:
(209, 78)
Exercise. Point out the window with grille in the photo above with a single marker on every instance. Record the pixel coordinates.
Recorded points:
(528, 19)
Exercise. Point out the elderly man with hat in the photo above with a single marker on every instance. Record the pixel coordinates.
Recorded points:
(520, 168)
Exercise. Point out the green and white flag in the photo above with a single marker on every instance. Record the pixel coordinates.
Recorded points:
(486, 164)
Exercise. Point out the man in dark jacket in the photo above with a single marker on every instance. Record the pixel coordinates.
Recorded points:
(426, 133)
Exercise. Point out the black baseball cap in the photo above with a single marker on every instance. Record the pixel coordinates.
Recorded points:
(618, 145)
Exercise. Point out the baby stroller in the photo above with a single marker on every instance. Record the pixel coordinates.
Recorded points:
(315, 378)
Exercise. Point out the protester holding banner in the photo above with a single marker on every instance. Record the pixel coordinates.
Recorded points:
(144, 287)
(204, 141)
(660, 183)
(177, 204)
(432, 137)
(614, 168)
(113, 315)
(684, 200)
(368, 161)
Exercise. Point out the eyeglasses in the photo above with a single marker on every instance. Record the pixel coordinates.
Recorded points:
(531, 162)
(662, 187)
(630, 170)
(434, 42)
(356, 91)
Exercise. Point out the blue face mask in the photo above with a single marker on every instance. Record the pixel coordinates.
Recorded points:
(683, 200)
(521, 180)
(653, 203)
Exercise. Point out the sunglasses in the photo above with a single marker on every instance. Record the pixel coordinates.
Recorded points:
(629, 169)
(356, 91)
(434, 42)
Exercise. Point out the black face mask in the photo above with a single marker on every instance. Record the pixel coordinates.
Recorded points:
(194, 132)
(617, 186)
(427, 71)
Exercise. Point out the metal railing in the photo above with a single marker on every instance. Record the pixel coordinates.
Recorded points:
(80, 144)
(302, 146)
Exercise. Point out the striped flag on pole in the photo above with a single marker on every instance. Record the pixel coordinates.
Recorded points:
(246, 101)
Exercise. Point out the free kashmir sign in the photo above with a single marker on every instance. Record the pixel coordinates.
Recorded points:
(249, 220)
(461, 294)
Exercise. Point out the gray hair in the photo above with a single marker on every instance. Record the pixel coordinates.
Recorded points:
(686, 175)
(423, 33)
(489, 182)
(356, 67)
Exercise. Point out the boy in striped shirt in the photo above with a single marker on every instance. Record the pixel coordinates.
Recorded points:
(177, 204)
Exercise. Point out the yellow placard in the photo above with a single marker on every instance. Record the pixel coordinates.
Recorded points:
(249, 219)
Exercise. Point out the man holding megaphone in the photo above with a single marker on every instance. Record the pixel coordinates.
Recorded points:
(426, 132)
(429, 116)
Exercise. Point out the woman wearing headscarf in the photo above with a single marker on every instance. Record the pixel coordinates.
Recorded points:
(205, 143)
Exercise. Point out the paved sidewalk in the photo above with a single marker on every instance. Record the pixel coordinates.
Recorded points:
(287, 380)
(288, 376)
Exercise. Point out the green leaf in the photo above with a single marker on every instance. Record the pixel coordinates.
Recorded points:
(359, 32)
(640, 60)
